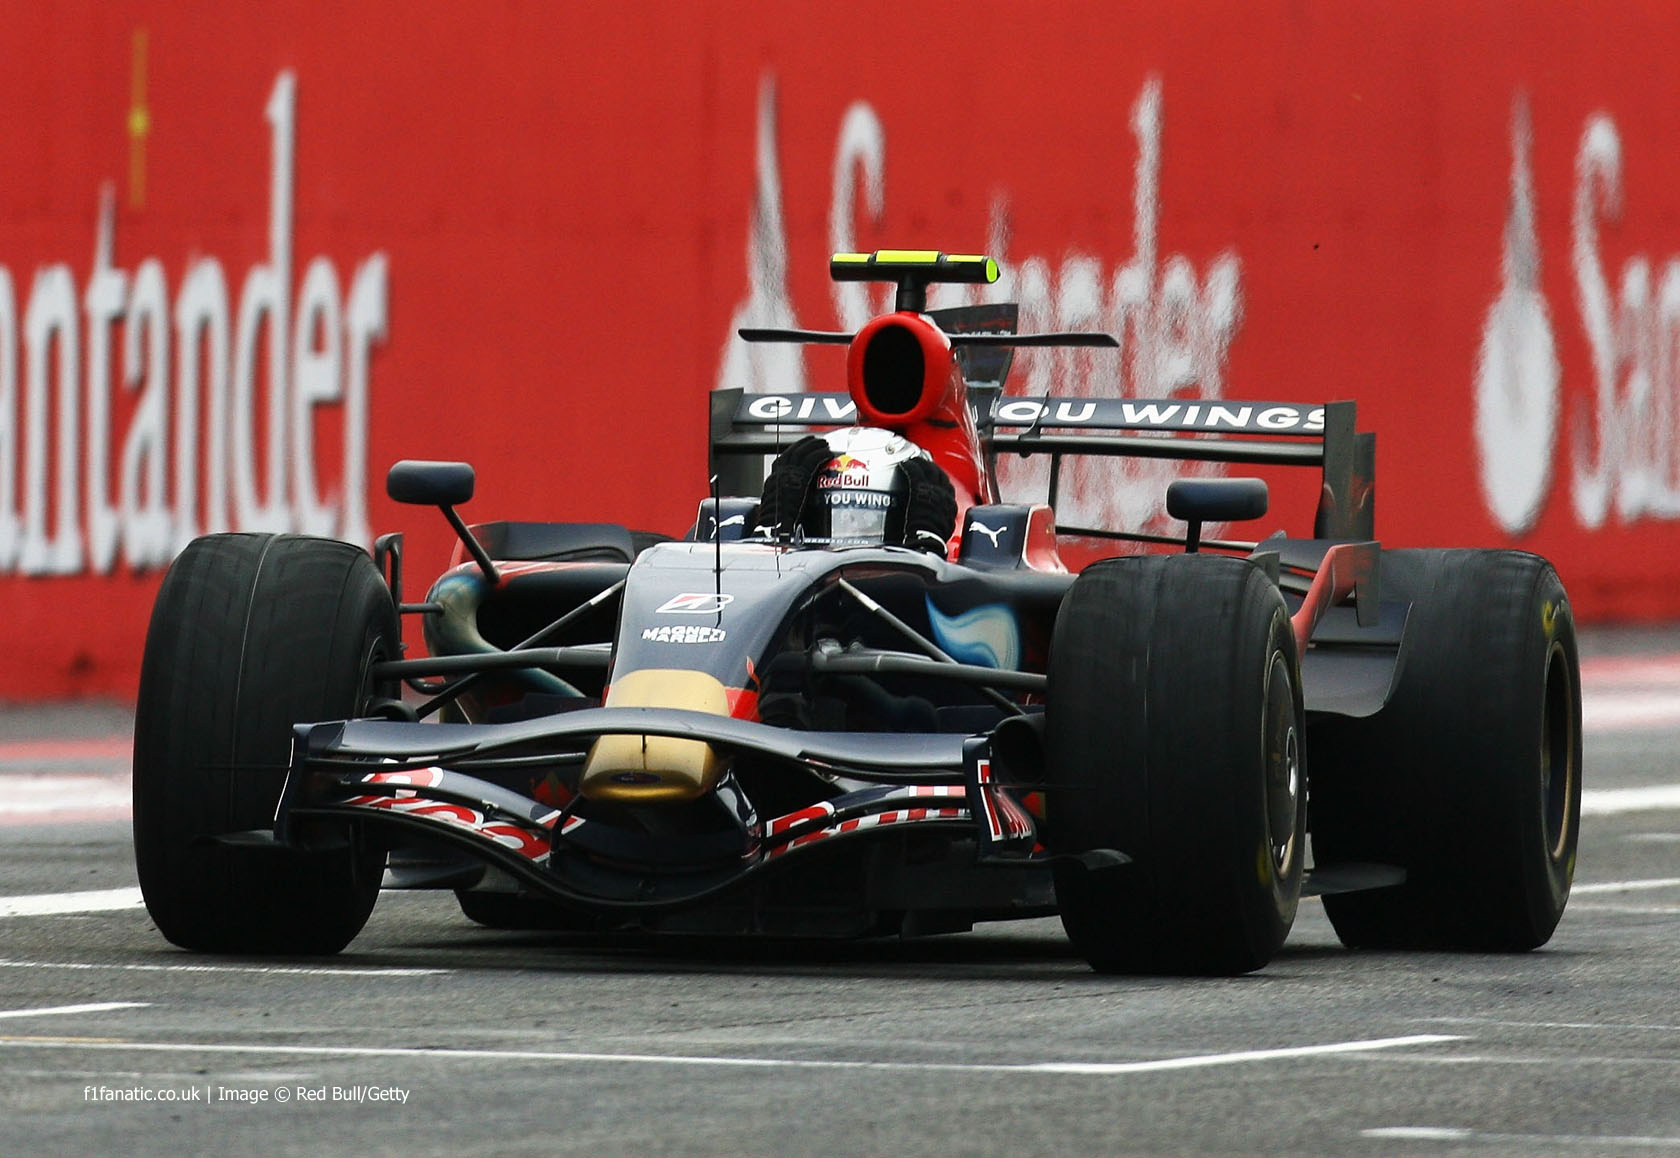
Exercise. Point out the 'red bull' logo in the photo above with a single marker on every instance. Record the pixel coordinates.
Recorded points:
(845, 470)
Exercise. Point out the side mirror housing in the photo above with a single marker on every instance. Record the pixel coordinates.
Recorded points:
(444, 485)
(430, 484)
(1217, 500)
(1214, 500)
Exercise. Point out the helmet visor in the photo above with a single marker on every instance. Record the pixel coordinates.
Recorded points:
(858, 524)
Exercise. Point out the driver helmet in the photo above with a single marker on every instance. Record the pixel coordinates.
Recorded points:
(859, 496)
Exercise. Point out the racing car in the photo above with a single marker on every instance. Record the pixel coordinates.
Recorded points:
(864, 695)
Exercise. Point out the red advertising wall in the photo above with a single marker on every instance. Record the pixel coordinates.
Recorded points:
(249, 256)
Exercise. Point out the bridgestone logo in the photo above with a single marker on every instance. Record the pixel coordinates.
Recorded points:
(696, 602)
(683, 634)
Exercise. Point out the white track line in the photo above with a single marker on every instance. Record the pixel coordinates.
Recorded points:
(54, 904)
(96, 1007)
(1220, 1059)
(1064, 1068)
(1612, 801)
(63, 791)
(1629, 712)
(1625, 886)
(1628, 910)
(290, 970)
(1657, 1027)
(1536, 1143)
(1630, 693)
(44, 817)
(36, 796)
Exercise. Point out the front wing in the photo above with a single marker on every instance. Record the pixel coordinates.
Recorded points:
(469, 786)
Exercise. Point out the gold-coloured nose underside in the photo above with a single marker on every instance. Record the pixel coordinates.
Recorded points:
(638, 769)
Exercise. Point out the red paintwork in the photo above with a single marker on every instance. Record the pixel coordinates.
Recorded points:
(941, 422)
(570, 244)
(1343, 567)
(743, 703)
(1040, 551)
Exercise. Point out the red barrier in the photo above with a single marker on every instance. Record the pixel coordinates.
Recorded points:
(248, 260)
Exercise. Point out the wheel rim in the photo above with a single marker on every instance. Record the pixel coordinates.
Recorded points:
(369, 693)
(367, 861)
(1282, 747)
(1558, 766)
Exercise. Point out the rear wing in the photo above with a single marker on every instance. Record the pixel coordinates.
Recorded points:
(746, 427)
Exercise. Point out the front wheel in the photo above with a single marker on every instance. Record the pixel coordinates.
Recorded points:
(250, 635)
(1175, 737)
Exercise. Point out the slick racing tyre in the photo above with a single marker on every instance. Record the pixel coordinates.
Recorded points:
(250, 635)
(1175, 737)
(1470, 777)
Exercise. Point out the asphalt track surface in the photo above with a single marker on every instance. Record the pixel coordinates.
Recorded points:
(433, 1035)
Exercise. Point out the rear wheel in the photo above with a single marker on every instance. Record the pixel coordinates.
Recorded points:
(250, 635)
(1174, 735)
(1470, 777)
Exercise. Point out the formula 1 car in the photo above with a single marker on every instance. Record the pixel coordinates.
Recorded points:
(862, 695)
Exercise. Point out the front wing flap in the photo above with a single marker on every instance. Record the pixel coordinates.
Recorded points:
(889, 754)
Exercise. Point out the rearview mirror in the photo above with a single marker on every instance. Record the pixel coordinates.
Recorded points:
(430, 484)
(1216, 500)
